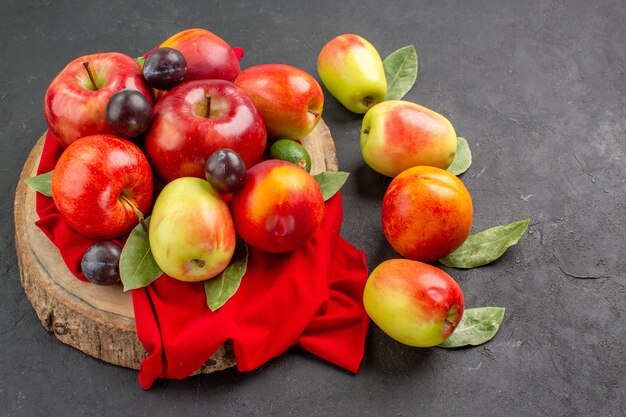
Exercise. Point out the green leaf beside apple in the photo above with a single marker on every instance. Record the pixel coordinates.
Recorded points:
(486, 246)
(331, 182)
(478, 326)
(462, 159)
(41, 183)
(400, 71)
(137, 265)
(218, 290)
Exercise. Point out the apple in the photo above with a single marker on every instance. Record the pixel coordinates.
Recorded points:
(427, 213)
(279, 207)
(207, 55)
(101, 185)
(413, 302)
(289, 99)
(197, 118)
(352, 71)
(76, 99)
(191, 231)
(397, 135)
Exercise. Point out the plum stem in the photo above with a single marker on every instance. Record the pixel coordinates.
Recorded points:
(90, 74)
(136, 210)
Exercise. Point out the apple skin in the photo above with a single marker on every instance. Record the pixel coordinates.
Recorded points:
(289, 99)
(427, 213)
(191, 231)
(182, 137)
(352, 71)
(397, 135)
(72, 109)
(413, 302)
(208, 56)
(279, 207)
(97, 181)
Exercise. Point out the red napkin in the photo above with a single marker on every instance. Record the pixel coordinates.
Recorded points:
(311, 297)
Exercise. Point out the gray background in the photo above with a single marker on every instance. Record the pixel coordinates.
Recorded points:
(537, 88)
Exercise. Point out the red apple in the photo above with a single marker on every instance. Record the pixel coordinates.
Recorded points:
(289, 100)
(208, 56)
(101, 184)
(413, 302)
(427, 213)
(197, 118)
(279, 207)
(76, 100)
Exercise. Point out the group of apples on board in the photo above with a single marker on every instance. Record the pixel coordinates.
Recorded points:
(203, 126)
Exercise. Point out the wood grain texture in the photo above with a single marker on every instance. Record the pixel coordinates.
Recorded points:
(100, 320)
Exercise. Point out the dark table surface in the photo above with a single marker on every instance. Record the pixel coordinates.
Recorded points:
(539, 90)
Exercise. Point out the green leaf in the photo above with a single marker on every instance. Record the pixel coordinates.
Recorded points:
(137, 265)
(462, 159)
(140, 60)
(218, 290)
(478, 326)
(486, 246)
(400, 71)
(41, 183)
(331, 182)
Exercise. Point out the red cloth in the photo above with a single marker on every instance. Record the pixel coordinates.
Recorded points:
(311, 297)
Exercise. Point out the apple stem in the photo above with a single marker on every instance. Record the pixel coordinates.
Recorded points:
(91, 78)
(314, 113)
(137, 212)
(208, 104)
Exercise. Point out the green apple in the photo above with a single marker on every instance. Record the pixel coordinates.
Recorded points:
(191, 231)
(413, 302)
(397, 135)
(351, 69)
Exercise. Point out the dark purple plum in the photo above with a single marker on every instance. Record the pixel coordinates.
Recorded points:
(165, 68)
(128, 113)
(101, 263)
(225, 170)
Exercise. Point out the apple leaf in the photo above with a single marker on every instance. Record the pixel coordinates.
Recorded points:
(487, 246)
(462, 159)
(137, 265)
(218, 290)
(140, 60)
(400, 71)
(41, 183)
(331, 182)
(478, 326)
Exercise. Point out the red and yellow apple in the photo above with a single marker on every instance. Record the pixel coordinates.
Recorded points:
(191, 231)
(288, 98)
(76, 99)
(427, 213)
(101, 184)
(352, 71)
(279, 207)
(197, 118)
(207, 55)
(397, 135)
(413, 302)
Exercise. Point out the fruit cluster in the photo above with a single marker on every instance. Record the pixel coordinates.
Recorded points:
(189, 123)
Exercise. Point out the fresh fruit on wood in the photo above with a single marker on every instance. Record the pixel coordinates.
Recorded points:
(101, 185)
(279, 207)
(291, 151)
(289, 99)
(128, 113)
(164, 68)
(208, 56)
(413, 302)
(225, 171)
(197, 118)
(76, 100)
(397, 135)
(191, 231)
(352, 71)
(427, 213)
(101, 263)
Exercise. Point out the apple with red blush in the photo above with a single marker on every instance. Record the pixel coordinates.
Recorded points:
(197, 118)
(102, 185)
(76, 99)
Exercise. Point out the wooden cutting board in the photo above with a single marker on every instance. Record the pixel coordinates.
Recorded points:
(100, 320)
